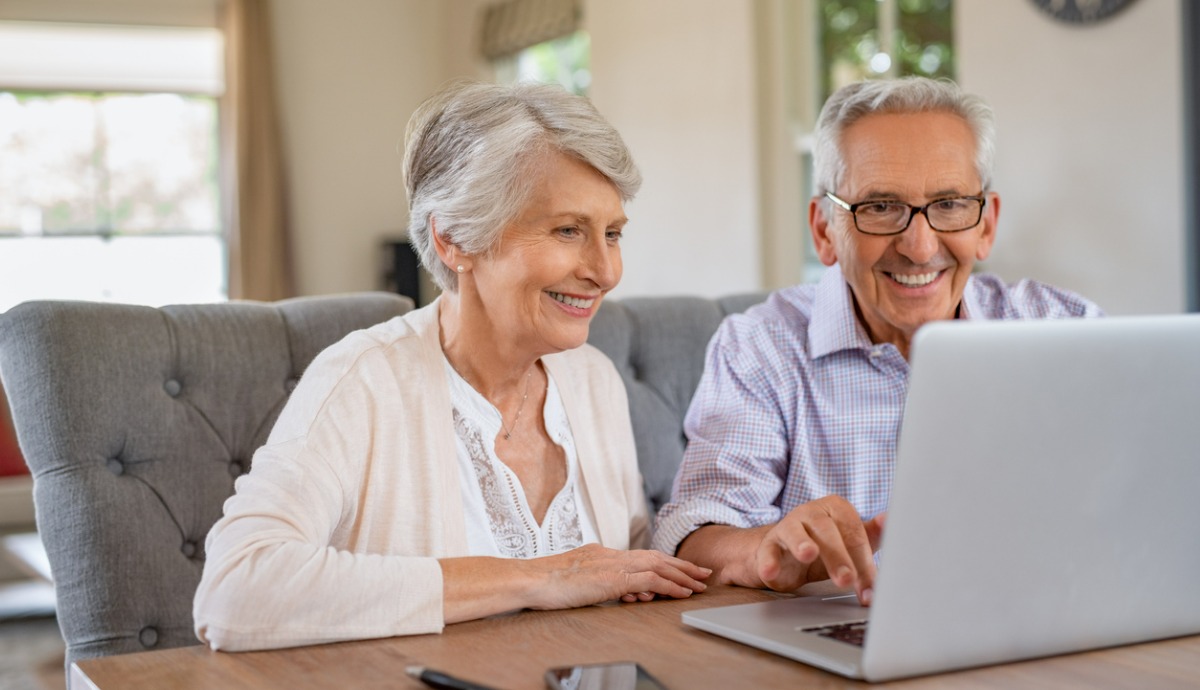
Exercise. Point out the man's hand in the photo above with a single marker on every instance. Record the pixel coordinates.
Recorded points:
(822, 539)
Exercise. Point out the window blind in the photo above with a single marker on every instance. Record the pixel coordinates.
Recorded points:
(511, 26)
(97, 57)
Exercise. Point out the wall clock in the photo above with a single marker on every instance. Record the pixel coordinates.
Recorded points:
(1080, 11)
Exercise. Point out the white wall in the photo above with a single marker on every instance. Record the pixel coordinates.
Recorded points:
(676, 78)
(1090, 160)
(350, 74)
(1090, 164)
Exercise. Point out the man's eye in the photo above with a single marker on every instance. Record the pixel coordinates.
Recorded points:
(880, 209)
(953, 205)
(613, 235)
(568, 231)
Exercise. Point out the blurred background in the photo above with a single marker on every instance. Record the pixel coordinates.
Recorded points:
(119, 147)
(166, 151)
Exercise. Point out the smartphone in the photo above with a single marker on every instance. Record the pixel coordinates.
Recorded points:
(621, 675)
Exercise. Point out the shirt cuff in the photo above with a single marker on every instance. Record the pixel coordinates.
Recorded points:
(678, 520)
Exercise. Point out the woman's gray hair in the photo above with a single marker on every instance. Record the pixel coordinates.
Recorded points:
(468, 155)
(906, 95)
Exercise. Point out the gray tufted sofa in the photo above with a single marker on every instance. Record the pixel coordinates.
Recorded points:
(135, 422)
(658, 345)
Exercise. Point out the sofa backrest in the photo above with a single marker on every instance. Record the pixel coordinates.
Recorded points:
(135, 421)
(658, 345)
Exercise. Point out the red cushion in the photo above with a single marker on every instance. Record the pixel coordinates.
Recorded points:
(11, 462)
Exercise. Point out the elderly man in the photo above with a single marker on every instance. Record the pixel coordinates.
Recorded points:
(792, 431)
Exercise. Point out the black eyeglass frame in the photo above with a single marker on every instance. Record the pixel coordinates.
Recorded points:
(981, 198)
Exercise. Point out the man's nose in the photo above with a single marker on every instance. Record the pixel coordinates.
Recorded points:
(919, 241)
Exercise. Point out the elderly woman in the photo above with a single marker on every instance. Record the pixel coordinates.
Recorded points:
(474, 456)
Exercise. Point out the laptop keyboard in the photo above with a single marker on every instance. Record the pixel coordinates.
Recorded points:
(850, 633)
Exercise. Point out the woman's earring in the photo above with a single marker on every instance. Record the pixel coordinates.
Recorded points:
(460, 268)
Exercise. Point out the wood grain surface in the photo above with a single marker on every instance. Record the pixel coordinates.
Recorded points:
(514, 651)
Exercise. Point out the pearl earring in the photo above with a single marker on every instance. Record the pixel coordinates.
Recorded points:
(460, 268)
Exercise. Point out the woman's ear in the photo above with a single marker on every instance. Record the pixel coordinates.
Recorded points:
(447, 251)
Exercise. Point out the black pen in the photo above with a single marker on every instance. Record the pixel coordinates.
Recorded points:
(437, 679)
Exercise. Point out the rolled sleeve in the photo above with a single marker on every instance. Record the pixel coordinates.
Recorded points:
(736, 460)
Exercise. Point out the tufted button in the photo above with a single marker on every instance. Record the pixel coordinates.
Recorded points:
(189, 549)
(172, 387)
(236, 469)
(115, 466)
(290, 384)
(148, 636)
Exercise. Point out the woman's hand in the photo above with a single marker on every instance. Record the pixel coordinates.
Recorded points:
(592, 574)
(479, 586)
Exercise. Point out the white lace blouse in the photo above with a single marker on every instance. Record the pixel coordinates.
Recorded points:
(499, 520)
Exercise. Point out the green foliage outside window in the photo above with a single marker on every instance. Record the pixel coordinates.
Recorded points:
(565, 61)
(81, 163)
(853, 48)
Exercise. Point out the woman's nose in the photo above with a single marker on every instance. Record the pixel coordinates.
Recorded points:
(601, 264)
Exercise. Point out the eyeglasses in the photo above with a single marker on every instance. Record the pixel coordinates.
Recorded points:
(893, 217)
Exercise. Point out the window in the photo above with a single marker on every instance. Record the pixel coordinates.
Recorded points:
(564, 60)
(108, 164)
(861, 39)
(538, 40)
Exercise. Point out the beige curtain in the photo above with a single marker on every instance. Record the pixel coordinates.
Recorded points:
(511, 26)
(254, 189)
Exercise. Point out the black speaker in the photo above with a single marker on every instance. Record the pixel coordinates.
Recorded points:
(403, 270)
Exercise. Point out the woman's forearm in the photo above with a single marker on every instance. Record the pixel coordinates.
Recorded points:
(480, 586)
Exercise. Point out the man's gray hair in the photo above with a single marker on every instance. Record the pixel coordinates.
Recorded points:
(906, 95)
(469, 152)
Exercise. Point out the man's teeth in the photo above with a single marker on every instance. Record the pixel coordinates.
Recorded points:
(917, 280)
(572, 301)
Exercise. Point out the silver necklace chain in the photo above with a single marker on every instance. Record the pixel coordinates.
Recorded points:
(509, 429)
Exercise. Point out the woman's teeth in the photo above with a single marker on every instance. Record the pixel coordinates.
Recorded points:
(572, 301)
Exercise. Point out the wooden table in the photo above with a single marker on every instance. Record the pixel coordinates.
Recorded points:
(514, 651)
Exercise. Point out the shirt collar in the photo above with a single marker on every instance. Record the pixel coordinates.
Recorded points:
(970, 307)
(835, 324)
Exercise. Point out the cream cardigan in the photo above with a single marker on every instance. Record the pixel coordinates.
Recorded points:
(335, 532)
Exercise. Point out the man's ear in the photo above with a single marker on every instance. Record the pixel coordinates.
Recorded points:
(447, 251)
(991, 216)
(818, 223)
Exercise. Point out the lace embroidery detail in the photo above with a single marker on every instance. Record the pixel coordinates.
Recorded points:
(515, 533)
(562, 519)
(562, 522)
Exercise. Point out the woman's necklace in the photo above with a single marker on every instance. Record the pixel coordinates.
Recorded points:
(508, 430)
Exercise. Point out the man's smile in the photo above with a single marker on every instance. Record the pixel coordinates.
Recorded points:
(915, 279)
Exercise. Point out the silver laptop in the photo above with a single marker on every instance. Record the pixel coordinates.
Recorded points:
(1046, 500)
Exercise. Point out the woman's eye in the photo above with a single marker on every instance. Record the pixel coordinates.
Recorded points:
(568, 232)
(613, 235)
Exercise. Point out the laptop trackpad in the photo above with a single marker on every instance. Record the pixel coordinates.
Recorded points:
(785, 614)
(780, 626)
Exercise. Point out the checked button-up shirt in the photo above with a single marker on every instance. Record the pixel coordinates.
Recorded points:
(797, 403)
